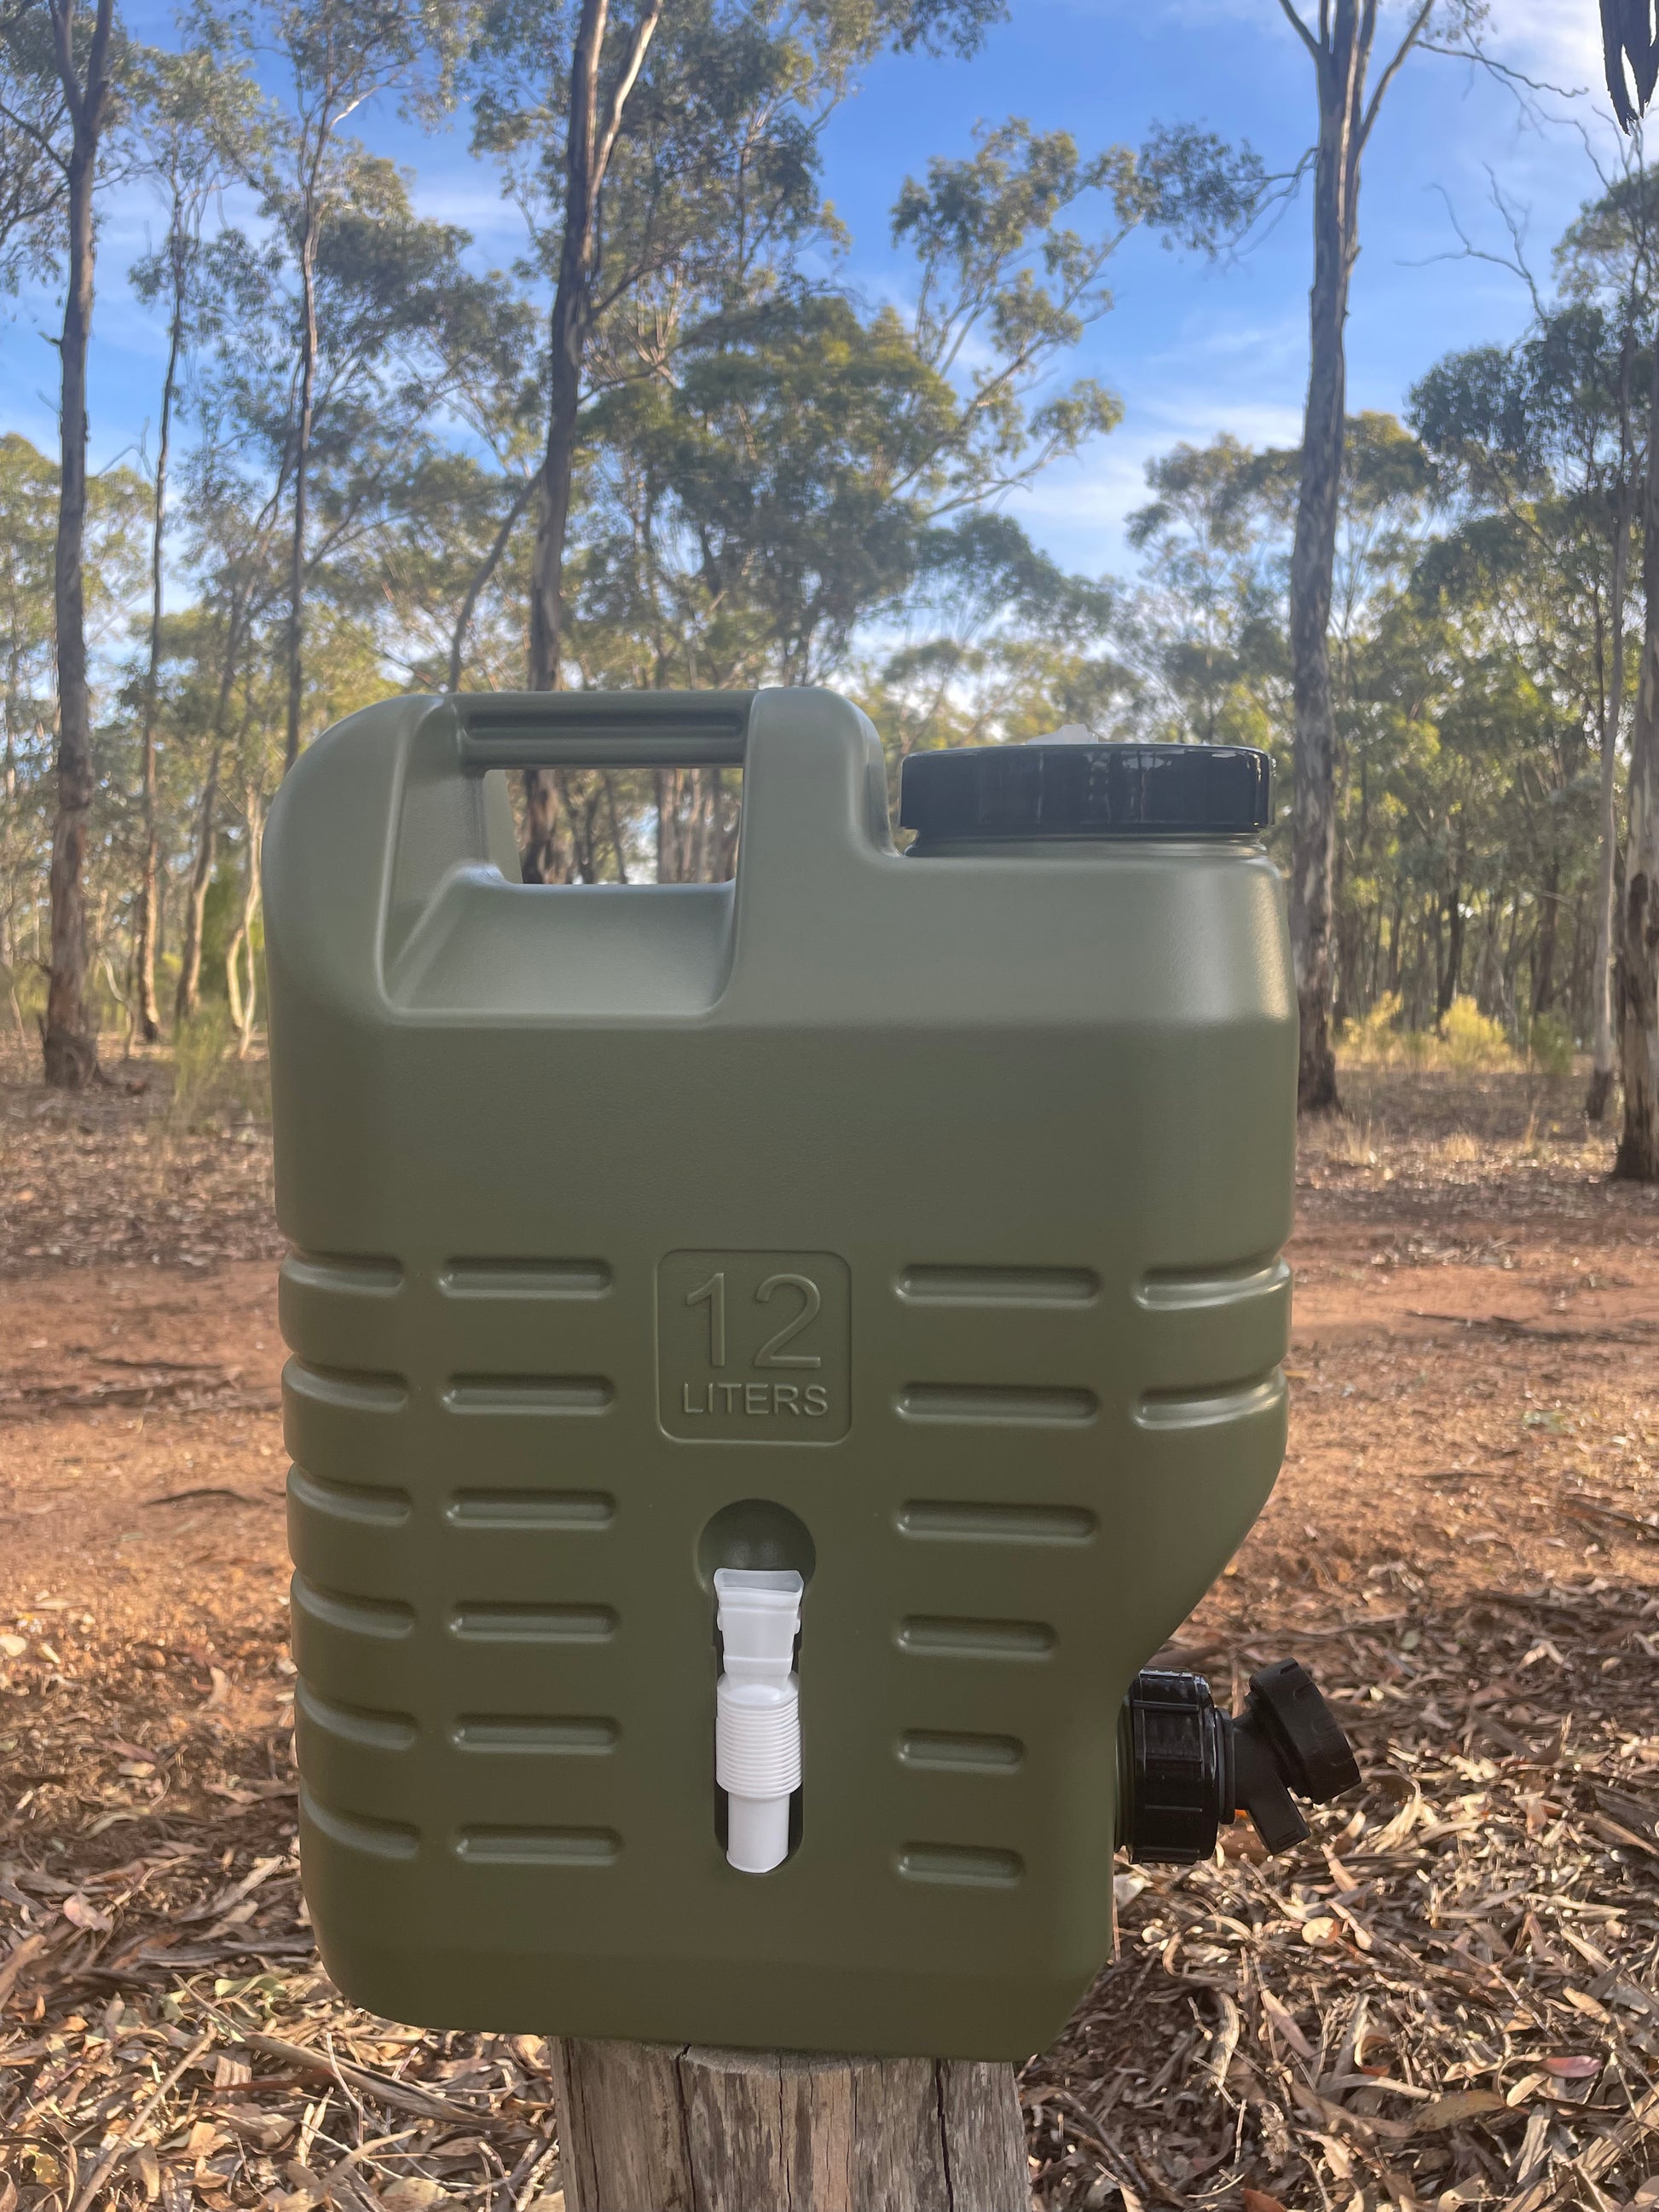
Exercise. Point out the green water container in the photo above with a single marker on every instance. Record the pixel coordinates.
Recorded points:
(896, 1235)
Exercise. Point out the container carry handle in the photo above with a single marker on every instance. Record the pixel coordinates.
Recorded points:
(602, 729)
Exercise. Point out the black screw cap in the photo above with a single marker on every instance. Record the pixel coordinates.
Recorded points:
(1041, 791)
(1192, 1769)
(1181, 1765)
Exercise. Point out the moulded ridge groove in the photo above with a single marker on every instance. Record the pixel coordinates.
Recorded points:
(943, 1637)
(370, 1731)
(1013, 1404)
(1203, 1409)
(530, 1509)
(487, 1621)
(973, 1865)
(352, 1274)
(350, 1501)
(1196, 1290)
(584, 1737)
(935, 1520)
(539, 1846)
(528, 1394)
(954, 1752)
(389, 1618)
(525, 1279)
(955, 1285)
(350, 1390)
(382, 1839)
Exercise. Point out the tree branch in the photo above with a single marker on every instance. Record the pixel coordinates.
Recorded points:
(1475, 52)
(1517, 266)
(650, 16)
(1397, 61)
(1302, 32)
(62, 47)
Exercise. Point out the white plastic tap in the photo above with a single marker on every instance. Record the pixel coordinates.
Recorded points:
(758, 1711)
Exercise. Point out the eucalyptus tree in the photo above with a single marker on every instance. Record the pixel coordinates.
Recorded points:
(33, 181)
(666, 163)
(330, 57)
(1607, 256)
(1209, 617)
(1507, 602)
(187, 111)
(227, 649)
(450, 555)
(1541, 434)
(28, 508)
(1342, 47)
(781, 488)
(58, 83)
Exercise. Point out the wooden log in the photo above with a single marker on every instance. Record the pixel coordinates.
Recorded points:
(668, 2128)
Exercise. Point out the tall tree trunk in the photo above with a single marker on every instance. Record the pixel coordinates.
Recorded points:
(145, 920)
(1602, 1049)
(1637, 1158)
(201, 875)
(1607, 911)
(1313, 849)
(296, 584)
(1396, 921)
(1543, 957)
(69, 1049)
(590, 138)
(610, 782)
(245, 1002)
(1452, 920)
(1341, 54)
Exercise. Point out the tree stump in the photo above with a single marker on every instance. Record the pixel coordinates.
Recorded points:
(676, 2128)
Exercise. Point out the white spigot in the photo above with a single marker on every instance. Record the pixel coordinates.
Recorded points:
(758, 1711)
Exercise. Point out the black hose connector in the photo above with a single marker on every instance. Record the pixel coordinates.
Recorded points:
(1193, 1769)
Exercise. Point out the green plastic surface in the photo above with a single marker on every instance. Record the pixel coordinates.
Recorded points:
(913, 1220)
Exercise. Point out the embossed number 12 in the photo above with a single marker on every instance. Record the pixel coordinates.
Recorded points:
(712, 1294)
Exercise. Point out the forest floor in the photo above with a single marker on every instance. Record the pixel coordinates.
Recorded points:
(1449, 1998)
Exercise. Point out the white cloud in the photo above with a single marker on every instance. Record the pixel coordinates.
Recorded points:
(1560, 39)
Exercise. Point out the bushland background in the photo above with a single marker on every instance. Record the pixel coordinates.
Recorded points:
(673, 444)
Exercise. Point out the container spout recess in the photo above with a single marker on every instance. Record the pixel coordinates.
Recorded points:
(758, 1711)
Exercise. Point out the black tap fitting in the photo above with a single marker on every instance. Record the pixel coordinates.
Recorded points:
(1192, 1768)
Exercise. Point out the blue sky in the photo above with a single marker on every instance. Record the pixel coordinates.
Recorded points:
(1192, 351)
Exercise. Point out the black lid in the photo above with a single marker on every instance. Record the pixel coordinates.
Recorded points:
(1087, 790)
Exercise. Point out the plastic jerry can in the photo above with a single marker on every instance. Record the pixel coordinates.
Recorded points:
(894, 1234)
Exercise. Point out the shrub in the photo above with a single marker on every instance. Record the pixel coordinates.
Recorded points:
(1466, 1040)
(212, 1090)
(1470, 1039)
(198, 1054)
(1377, 1039)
